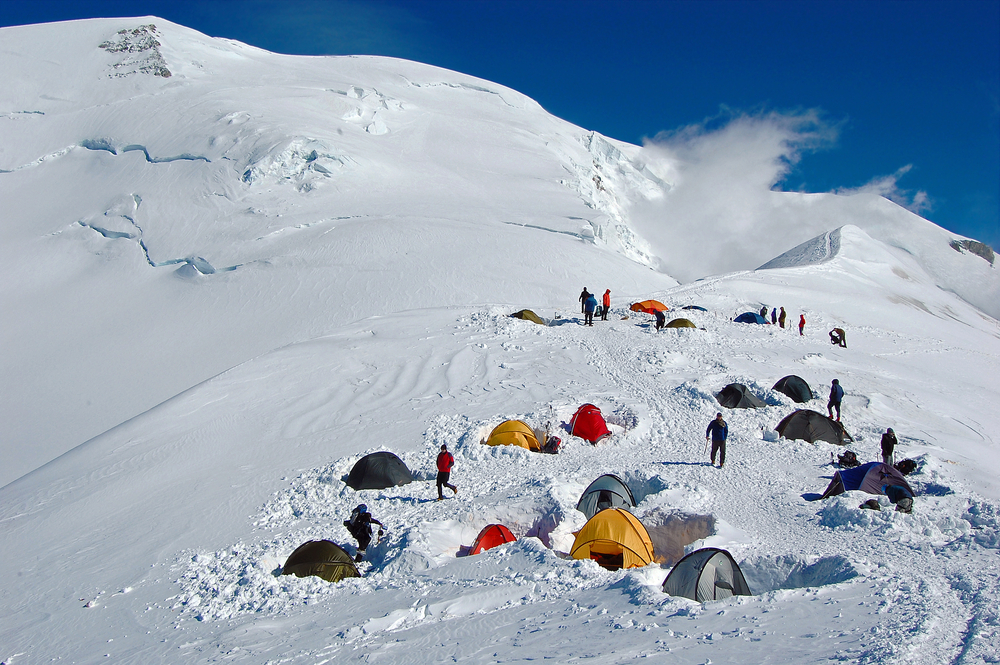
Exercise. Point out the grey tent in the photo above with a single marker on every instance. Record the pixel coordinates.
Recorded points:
(706, 574)
(322, 559)
(795, 387)
(528, 315)
(812, 426)
(608, 491)
(871, 478)
(738, 396)
(379, 471)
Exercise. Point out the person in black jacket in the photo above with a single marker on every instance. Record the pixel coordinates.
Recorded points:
(360, 526)
(836, 396)
(718, 430)
(888, 446)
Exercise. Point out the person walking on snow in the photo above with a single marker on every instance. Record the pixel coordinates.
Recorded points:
(589, 305)
(661, 319)
(802, 323)
(718, 431)
(888, 446)
(445, 461)
(360, 526)
(583, 300)
(607, 305)
(781, 318)
(836, 395)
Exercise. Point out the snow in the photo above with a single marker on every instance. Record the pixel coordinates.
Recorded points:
(212, 315)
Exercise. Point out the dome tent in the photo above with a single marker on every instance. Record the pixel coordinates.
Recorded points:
(750, 317)
(738, 396)
(870, 478)
(321, 558)
(608, 491)
(812, 426)
(528, 315)
(648, 306)
(681, 323)
(795, 387)
(379, 471)
(615, 538)
(589, 424)
(706, 574)
(695, 307)
(514, 433)
(491, 536)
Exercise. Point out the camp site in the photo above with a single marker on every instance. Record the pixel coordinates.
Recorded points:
(245, 299)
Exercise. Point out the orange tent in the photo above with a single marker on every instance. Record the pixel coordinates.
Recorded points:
(491, 536)
(648, 306)
(615, 538)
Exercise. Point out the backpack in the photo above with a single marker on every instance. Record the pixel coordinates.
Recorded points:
(552, 445)
(848, 459)
(906, 466)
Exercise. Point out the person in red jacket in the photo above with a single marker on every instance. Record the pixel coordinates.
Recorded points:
(445, 461)
(607, 305)
(802, 323)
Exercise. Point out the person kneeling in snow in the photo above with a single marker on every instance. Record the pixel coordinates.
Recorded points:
(360, 526)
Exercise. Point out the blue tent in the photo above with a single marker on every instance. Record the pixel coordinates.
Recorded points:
(750, 317)
(697, 307)
(870, 478)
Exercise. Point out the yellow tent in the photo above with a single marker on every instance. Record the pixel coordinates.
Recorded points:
(681, 323)
(514, 433)
(615, 538)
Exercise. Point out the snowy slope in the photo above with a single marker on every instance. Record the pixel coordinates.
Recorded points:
(366, 309)
(267, 199)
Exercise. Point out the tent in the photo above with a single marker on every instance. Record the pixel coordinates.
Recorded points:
(615, 538)
(750, 317)
(608, 491)
(322, 559)
(738, 396)
(795, 387)
(528, 315)
(588, 423)
(812, 426)
(514, 433)
(491, 536)
(379, 471)
(697, 307)
(648, 306)
(706, 574)
(681, 323)
(870, 477)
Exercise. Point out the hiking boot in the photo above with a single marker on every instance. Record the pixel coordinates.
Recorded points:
(440, 498)
(455, 490)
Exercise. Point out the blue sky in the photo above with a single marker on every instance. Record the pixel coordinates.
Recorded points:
(903, 97)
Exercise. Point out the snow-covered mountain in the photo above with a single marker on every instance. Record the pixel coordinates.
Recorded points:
(229, 273)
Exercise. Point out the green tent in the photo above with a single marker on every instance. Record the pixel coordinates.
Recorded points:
(322, 559)
(681, 323)
(528, 315)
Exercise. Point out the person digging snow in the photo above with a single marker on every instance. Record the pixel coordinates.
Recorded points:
(445, 461)
(718, 431)
(360, 526)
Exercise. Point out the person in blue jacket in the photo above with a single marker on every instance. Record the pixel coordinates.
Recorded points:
(836, 395)
(589, 306)
(718, 431)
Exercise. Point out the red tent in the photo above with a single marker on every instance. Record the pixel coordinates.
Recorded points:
(491, 536)
(588, 423)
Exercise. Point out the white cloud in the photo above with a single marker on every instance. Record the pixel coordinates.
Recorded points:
(888, 186)
(722, 212)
